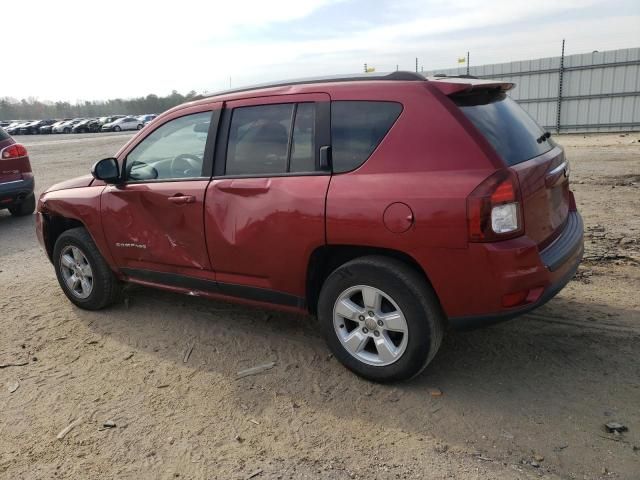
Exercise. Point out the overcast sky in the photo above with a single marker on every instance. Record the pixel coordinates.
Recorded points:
(85, 50)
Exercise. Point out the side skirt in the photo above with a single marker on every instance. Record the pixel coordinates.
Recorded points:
(229, 289)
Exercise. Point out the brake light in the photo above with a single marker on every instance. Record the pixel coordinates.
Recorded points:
(494, 208)
(13, 151)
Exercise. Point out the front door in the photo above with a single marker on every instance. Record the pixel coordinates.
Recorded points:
(265, 208)
(153, 220)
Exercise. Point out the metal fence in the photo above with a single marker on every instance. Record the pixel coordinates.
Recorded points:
(590, 92)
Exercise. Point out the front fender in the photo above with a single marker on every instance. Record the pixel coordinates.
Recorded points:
(76, 205)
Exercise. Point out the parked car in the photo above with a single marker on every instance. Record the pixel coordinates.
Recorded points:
(390, 205)
(46, 129)
(86, 126)
(146, 118)
(5, 123)
(125, 123)
(112, 118)
(14, 129)
(67, 126)
(32, 128)
(16, 178)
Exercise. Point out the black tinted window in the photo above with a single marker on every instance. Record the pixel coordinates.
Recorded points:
(3, 135)
(506, 126)
(259, 139)
(303, 157)
(357, 128)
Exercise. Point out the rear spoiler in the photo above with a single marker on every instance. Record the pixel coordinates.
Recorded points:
(454, 85)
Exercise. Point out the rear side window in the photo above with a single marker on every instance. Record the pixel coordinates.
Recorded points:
(506, 126)
(357, 127)
(272, 140)
(3, 135)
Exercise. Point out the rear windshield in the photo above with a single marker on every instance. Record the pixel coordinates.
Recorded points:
(508, 128)
(3, 135)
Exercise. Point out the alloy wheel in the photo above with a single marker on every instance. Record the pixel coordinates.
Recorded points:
(76, 271)
(370, 325)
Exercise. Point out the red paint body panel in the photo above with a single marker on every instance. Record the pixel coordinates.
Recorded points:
(145, 230)
(264, 237)
(81, 204)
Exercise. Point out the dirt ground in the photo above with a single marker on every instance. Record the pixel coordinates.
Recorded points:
(524, 399)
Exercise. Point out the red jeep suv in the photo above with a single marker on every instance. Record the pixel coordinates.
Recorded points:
(16, 178)
(390, 206)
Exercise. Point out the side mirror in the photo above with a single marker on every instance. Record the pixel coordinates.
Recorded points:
(106, 170)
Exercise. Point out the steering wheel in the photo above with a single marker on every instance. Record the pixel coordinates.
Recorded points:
(186, 165)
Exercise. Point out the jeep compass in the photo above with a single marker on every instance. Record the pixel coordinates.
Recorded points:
(390, 206)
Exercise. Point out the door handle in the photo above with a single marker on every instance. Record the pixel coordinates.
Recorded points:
(180, 199)
(244, 186)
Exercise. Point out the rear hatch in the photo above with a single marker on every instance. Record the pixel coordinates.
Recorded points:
(11, 169)
(530, 152)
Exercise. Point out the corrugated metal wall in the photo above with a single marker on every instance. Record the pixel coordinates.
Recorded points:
(600, 92)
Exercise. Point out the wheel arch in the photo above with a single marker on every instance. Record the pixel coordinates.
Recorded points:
(325, 259)
(53, 226)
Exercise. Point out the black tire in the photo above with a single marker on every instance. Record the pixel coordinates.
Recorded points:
(67, 130)
(24, 208)
(139, 127)
(116, 128)
(413, 295)
(106, 288)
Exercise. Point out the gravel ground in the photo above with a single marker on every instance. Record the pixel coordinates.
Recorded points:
(524, 399)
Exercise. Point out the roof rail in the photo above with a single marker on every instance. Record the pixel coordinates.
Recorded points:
(397, 75)
(462, 75)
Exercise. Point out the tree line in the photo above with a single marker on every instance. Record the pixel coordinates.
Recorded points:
(34, 109)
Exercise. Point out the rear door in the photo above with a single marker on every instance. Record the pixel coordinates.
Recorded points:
(265, 208)
(153, 220)
(525, 147)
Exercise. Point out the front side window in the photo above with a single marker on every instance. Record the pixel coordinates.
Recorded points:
(272, 140)
(173, 151)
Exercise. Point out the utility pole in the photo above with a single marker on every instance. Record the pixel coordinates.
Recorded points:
(560, 79)
(365, 68)
(467, 63)
(396, 67)
(416, 64)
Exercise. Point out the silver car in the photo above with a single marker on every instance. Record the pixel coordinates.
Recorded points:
(126, 123)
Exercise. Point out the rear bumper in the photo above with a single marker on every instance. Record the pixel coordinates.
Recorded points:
(557, 266)
(14, 192)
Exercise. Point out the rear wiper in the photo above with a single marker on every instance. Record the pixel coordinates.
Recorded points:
(543, 137)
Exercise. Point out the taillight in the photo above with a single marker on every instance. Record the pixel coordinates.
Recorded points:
(13, 151)
(494, 208)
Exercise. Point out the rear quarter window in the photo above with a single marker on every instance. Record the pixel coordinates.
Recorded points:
(3, 135)
(506, 126)
(357, 128)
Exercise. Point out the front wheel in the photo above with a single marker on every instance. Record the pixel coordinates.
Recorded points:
(139, 127)
(83, 274)
(381, 318)
(116, 129)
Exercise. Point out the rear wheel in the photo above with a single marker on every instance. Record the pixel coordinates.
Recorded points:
(116, 128)
(139, 126)
(26, 207)
(381, 319)
(82, 273)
